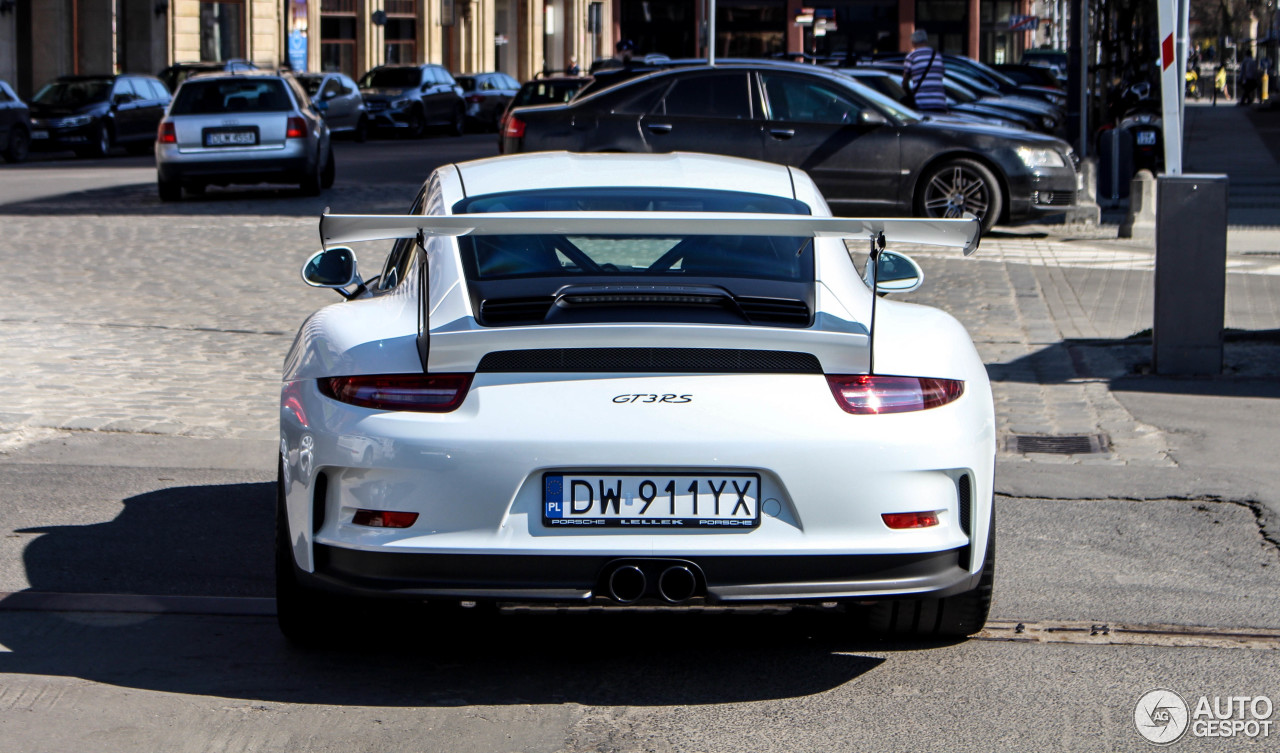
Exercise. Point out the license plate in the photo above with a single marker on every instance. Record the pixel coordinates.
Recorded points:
(631, 500)
(38, 135)
(231, 138)
(1146, 138)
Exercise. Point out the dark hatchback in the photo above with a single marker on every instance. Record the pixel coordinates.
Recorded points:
(91, 114)
(868, 154)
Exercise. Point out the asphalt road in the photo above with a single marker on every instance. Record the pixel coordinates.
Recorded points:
(135, 577)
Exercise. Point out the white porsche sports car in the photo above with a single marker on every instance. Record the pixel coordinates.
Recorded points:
(635, 379)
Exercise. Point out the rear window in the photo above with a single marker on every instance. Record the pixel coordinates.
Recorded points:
(391, 78)
(544, 92)
(310, 83)
(231, 95)
(625, 256)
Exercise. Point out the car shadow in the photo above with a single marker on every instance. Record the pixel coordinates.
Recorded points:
(276, 201)
(216, 540)
(1251, 366)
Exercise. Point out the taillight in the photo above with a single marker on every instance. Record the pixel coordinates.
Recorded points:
(296, 129)
(424, 393)
(903, 520)
(384, 518)
(866, 394)
(168, 134)
(514, 129)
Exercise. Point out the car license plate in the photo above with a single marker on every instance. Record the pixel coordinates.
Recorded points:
(231, 138)
(1146, 138)
(626, 500)
(39, 135)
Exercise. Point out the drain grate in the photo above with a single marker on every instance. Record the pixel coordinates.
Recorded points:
(1069, 444)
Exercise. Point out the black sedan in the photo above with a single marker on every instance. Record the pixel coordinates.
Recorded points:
(91, 114)
(15, 125)
(868, 154)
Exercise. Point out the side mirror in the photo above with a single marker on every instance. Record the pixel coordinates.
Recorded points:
(322, 106)
(870, 117)
(331, 268)
(895, 273)
(426, 86)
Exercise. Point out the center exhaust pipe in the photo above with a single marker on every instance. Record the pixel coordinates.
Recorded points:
(627, 584)
(677, 584)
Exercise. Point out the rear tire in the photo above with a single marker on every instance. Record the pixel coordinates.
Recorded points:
(958, 616)
(311, 185)
(329, 172)
(19, 145)
(170, 190)
(459, 124)
(301, 612)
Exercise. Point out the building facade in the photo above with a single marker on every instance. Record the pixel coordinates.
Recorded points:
(43, 39)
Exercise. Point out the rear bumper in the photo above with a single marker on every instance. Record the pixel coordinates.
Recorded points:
(581, 578)
(289, 166)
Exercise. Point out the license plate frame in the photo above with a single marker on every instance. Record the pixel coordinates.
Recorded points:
(651, 501)
(220, 138)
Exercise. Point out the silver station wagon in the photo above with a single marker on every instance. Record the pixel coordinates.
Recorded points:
(251, 127)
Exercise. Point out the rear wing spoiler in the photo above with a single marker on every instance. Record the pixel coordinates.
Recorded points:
(336, 229)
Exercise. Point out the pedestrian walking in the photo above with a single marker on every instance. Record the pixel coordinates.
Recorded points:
(922, 73)
(1220, 83)
(1248, 86)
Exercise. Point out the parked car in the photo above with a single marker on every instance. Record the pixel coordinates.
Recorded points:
(890, 85)
(15, 125)
(981, 98)
(991, 78)
(1033, 75)
(1048, 58)
(541, 91)
(1050, 117)
(592, 385)
(91, 114)
(174, 75)
(487, 96)
(867, 153)
(413, 98)
(253, 127)
(339, 100)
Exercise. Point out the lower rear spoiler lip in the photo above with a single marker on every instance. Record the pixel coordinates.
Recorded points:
(963, 233)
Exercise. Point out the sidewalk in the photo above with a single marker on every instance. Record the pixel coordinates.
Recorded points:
(1062, 317)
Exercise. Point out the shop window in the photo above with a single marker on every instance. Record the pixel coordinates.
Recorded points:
(221, 30)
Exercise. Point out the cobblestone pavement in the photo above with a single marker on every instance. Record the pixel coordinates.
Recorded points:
(177, 323)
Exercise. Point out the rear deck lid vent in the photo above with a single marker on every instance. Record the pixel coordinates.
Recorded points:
(497, 311)
(785, 311)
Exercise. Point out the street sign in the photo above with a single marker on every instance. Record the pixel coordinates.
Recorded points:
(1024, 23)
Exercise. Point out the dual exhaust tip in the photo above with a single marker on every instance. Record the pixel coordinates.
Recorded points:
(675, 584)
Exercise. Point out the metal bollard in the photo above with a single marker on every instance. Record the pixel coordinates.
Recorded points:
(1191, 274)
